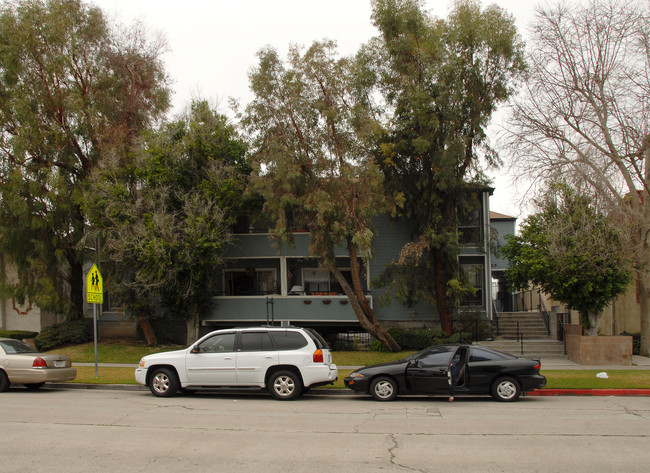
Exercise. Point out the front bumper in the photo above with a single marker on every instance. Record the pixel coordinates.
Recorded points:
(141, 375)
(357, 384)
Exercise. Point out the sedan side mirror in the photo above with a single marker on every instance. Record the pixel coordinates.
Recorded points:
(195, 349)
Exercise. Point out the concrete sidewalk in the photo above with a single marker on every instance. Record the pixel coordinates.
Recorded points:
(638, 363)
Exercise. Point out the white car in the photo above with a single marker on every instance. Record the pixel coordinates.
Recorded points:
(284, 360)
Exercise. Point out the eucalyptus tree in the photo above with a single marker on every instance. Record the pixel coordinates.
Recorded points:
(312, 124)
(442, 81)
(72, 91)
(164, 220)
(585, 115)
(572, 251)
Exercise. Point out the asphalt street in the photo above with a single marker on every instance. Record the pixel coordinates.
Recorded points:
(72, 430)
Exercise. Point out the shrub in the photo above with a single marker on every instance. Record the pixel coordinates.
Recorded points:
(17, 334)
(376, 345)
(63, 333)
(417, 339)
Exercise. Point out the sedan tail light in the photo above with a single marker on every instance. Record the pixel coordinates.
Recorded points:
(538, 366)
(318, 356)
(39, 363)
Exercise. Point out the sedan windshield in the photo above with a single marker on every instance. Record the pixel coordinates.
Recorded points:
(13, 347)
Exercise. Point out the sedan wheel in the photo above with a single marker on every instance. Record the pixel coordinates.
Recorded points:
(383, 389)
(163, 382)
(4, 382)
(506, 390)
(285, 385)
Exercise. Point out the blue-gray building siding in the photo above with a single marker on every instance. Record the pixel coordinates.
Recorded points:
(256, 250)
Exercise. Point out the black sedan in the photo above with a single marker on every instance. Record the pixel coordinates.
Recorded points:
(482, 370)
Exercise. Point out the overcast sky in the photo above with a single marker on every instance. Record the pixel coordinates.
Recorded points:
(213, 44)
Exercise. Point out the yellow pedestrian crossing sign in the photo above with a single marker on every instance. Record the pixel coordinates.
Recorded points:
(94, 286)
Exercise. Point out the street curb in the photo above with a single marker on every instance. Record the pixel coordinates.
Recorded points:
(347, 392)
(589, 392)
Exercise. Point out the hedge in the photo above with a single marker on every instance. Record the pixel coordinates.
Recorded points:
(63, 333)
(17, 334)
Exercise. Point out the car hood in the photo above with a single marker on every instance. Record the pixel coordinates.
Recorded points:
(166, 355)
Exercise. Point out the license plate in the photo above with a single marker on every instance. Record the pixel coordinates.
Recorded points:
(59, 363)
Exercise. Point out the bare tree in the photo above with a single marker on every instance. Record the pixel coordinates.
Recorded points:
(584, 113)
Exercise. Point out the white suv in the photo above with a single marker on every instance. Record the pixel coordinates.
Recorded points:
(285, 360)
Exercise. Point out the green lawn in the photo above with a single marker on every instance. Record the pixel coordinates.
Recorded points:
(131, 352)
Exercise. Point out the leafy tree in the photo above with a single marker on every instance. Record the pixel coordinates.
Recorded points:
(71, 92)
(442, 81)
(572, 252)
(311, 122)
(164, 220)
(585, 116)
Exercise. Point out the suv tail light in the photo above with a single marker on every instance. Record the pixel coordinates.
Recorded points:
(318, 356)
(39, 363)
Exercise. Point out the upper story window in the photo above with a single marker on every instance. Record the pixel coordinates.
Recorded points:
(319, 281)
(250, 282)
(474, 272)
(470, 230)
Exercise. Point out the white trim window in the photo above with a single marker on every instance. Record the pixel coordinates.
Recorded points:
(317, 281)
(250, 281)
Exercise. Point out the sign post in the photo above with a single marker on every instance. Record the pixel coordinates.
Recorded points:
(94, 296)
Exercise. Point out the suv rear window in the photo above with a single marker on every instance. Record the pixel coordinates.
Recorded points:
(318, 340)
(255, 341)
(288, 340)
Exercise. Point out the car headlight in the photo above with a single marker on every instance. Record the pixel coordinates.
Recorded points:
(356, 374)
(142, 363)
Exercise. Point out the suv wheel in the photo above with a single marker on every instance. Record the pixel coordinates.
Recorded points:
(163, 382)
(285, 385)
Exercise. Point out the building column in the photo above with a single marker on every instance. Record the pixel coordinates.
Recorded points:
(487, 268)
(283, 276)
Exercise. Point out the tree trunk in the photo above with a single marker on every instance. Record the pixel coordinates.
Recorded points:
(644, 263)
(147, 329)
(192, 324)
(441, 294)
(366, 316)
(644, 294)
(76, 288)
(592, 323)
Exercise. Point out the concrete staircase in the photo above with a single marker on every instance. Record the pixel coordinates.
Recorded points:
(536, 342)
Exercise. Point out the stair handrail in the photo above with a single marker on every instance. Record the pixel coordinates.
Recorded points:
(520, 336)
(546, 317)
(495, 317)
(462, 331)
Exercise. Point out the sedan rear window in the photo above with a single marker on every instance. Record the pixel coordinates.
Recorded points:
(13, 347)
(484, 355)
